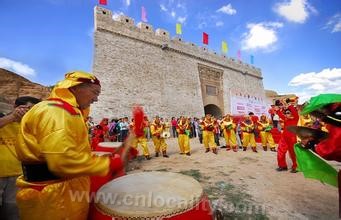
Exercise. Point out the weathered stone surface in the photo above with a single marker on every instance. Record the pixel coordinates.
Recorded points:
(161, 73)
(12, 86)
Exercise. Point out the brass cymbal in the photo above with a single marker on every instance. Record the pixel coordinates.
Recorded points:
(304, 132)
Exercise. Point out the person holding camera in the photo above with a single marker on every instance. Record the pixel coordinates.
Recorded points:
(289, 114)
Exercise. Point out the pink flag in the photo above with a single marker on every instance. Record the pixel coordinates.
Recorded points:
(143, 14)
(239, 55)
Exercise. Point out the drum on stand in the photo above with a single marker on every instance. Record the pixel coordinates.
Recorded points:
(152, 195)
(97, 181)
(108, 146)
(114, 147)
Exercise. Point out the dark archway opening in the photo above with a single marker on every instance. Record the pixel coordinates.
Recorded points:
(213, 110)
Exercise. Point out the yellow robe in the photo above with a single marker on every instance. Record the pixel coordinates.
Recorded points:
(9, 164)
(183, 138)
(229, 133)
(52, 135)
(266, 136)
(159, 143)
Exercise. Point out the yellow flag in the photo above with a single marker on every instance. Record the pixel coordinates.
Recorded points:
(178, 28)
(224, 47)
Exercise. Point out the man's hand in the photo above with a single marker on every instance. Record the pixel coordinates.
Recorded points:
(19, 112)
(15, 116)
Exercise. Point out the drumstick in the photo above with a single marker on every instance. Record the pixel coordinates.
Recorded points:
(138, 116)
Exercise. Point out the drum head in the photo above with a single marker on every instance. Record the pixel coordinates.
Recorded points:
(148, 195)
(101, 153)
(110, 144)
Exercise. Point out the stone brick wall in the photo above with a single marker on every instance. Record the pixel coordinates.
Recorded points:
(137, 65)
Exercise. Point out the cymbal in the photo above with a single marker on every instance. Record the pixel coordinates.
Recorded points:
(304, 132)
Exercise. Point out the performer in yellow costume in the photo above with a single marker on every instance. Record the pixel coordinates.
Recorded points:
(142, 140)
(208, 135)
(156, 128)
(264, 128)
(228, 128)
(248, 128)
(10, 166)
(183, 129)
(54, 150)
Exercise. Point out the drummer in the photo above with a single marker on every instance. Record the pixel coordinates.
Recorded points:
(228, 127)
(142, 140)
(55, 153)
(208, 136)
(183, 129)
(156, 128)
(264, 128)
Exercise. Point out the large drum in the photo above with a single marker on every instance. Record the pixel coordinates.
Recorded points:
(108, 146)
(152, 195)
(98, 181)
(114, 147)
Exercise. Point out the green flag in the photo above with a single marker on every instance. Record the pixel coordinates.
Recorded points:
(178, 28)
(314, 167)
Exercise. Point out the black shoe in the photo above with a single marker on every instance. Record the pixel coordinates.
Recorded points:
(223, 147)
(147, 157)
(188, 154)
(293, 171)
(273, 149)
(244, 148)
(156, 154)
(165, 155)
(281, 169)
(207, 150)
(182, 153)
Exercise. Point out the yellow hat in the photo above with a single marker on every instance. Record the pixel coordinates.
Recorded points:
(75, 78)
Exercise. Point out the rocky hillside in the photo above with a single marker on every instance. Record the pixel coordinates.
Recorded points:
(12, 86)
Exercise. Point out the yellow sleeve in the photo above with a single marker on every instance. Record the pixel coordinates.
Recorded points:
(72, 159)
(52, 135)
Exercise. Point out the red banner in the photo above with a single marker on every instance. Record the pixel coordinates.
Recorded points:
(204, 38)
(103, 2)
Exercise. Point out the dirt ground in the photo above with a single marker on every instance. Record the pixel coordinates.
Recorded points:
(245, 185)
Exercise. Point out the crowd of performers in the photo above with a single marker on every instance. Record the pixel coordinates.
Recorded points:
(45, 149)
(239, 132)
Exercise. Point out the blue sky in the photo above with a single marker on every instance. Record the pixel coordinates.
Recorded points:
(296, 43)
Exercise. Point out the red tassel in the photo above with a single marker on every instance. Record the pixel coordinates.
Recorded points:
(138, 116)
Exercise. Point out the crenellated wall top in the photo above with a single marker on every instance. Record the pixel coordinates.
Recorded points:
(125, 26)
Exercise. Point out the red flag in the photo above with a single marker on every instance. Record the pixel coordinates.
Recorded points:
(103, 2)
(204, 38)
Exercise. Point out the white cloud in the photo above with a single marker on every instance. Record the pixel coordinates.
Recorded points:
(163, 7)
(314, 83)
(127, 2)
(116, 14)
(17, 67)
(219, 23)
(334, 23)
(295, 10)
(181, 19)
(261, 36)
(227, 9)
(175, 10)
(181, 5)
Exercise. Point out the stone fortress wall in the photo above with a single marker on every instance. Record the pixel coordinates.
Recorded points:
(168, 77)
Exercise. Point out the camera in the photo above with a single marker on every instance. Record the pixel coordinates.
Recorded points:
(278, 103)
